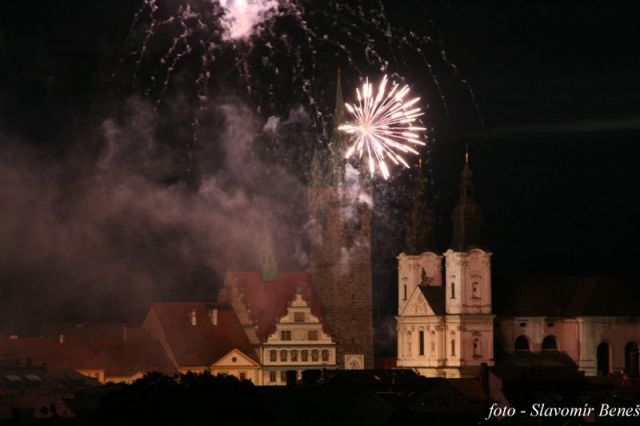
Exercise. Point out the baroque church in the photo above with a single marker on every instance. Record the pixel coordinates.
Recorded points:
(454, 318)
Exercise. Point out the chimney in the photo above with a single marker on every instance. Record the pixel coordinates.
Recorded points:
(194, 320)
(61, 338)
(214, 316)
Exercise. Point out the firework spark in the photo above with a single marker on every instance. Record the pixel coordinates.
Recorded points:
(383, 125)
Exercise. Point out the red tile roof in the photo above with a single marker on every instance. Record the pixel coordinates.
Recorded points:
(268, 301)
(204, 343)
(73, 353)
(140, 352)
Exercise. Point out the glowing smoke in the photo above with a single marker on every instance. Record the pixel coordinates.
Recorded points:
(243, 16)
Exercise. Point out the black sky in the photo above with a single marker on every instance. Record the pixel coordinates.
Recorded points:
(556, 83)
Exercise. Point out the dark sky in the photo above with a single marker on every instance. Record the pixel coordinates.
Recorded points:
(555, 164)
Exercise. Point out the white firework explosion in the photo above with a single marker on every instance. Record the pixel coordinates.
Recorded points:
(382, 125)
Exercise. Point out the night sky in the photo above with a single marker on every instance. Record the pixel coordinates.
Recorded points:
(547, 95)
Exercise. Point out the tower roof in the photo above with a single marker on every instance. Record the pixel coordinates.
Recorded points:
(420, 221)
(467, 216)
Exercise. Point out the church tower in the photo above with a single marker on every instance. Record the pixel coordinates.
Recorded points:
(468, 284)
(340, 238)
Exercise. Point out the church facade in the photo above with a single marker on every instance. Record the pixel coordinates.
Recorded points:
(453, 318)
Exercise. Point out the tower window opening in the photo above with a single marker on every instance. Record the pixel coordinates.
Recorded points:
(453, 290)
(405, 292)
(421, 342)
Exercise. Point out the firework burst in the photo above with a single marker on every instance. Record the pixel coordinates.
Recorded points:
(382, 125)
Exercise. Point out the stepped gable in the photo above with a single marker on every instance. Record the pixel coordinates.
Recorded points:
(204, 343)
(268, 301)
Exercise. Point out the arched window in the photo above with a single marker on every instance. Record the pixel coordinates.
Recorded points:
(408, 343)
(314, 355)
(475, 290)
(273, 355)
(477, 350)
(294, 355)
(421, 342)
(283, 355)
(405, 292)
(325, 355)
(602, 354)
(304, 354)
(453, 347)
(549, 343)
(453, 290)
(631, 359)
(522, 344)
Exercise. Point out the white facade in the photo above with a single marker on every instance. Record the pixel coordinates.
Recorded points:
(298, 343)
(579, 337)
(454, 337)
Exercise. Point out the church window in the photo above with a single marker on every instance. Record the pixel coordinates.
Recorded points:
(298, 317)
(273, 355)
(405, 292)
(304, 354)
(283, 356)
(312, 335)
(453, 290)
(325, 355)
(476, 347)
(475, 289)
(285, 335)
(409, 348)
(631, 359)
(453, 347)
(522, 344)
(314, 355)
(602, 353)
(294, 355)
(272, 376)
(421, 342)
(549, 344)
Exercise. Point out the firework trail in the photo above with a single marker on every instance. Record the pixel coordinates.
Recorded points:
(270, 50)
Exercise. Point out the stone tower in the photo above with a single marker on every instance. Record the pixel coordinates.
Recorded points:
(340, 237)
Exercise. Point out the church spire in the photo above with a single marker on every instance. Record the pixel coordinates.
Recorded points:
(421, 220)
(466, 217)
(337, 138)
(268, 263)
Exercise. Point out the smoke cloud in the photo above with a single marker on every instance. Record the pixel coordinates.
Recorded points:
(101, 236)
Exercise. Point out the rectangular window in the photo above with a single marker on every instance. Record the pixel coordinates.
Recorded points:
(272, 376)
(283, 376)
(243, 376)
(285, 335)
(298, 317)
(421, 343)
(312, 335)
